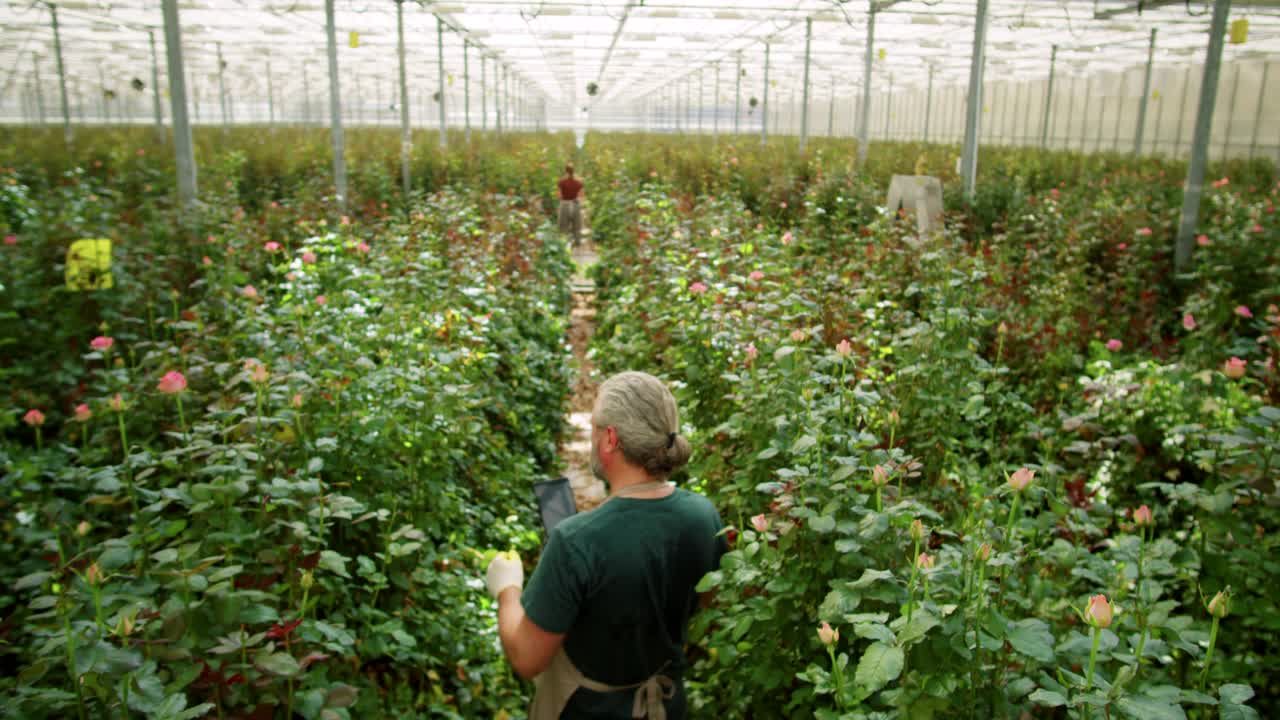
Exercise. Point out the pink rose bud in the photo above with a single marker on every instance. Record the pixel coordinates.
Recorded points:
(272, 246)
(1257, 228)
(102, 342)
(1098, 614)
(984, 552)
(1234, 368)
(93, 574)
(291, 276)
(1220, 605)
(751, 352)
(798, 336)
(116, 403)
(1142, 516)
(259, 373)
(321, 300)
(10, 239)
(894, 417)
(250, 292)
(308, 257)
(844, 349)
(1244, 311)
(362, 247)
(1203, 241)
(917, 530)
(346, 220)
(34, 418)
(1114, 345)
(172, 383)
(1122, 247)
(760, 523)
(83, 413)
(206, 260)
(1144, 231)
(879, 476)
(924, 561)
(787, 237)
(827, 635)
(756, 275)
(698, 288)
(296, 400)
(1189, 321)
(1021, 478)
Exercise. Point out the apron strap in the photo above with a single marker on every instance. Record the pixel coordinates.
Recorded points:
(649, 693)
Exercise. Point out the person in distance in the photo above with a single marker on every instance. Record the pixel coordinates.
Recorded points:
(571, 205)
(602, 624)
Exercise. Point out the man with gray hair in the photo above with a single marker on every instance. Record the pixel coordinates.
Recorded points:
(601, 628)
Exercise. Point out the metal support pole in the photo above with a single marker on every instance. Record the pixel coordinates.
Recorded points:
(1257, 118)
(831, 110)
(62, 75)
(1231, 109)
(484, 93)
(35, 62)
(1048, 97)
(701, 96)
(222, 87)
(1182, 112)
(1102, 116)
(335, 109)
(715, 108)
(185, 161)
(306, 96)
(103, 113)
(444, 139)
(1146, 96)
(928, 104)
(737, 96)
(1200, 141)
(497, 96)
(864, 129)
(466, 85)
(271, 98)
(888, 110)
(973, 113)
(1084, 116)
(804, 93)
(1124, 84)
(1155, 140)
(764, 103)
(406, 148)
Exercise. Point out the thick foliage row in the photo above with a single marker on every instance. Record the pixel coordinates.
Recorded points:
(261, 463)
(866, 408)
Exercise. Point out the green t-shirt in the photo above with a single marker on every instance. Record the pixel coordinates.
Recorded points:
(620, 580)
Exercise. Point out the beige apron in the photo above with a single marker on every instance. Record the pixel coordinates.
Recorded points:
(561, 679)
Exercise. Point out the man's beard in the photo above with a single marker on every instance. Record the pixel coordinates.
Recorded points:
(597, 468)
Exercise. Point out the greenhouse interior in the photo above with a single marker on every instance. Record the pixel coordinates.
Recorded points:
(835, 359)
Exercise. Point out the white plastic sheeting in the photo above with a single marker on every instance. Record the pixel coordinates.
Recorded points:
(653, 62)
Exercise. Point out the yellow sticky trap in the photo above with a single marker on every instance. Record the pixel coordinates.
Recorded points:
(882, 53)
(1239, 31)
(1155, 94)
(89, 265)
(450, 78)
(353, 39)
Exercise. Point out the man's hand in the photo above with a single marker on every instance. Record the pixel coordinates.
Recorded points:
(505, 570)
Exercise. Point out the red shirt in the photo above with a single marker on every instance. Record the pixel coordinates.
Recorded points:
(569, 188)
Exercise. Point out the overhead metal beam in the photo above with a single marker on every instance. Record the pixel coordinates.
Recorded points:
(1137, 7)
(973, 113)
(1146, 96)
(335, 109)
(406, 148)
(185, 161)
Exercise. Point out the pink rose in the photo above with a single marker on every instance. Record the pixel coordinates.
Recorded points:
(1221, 183)
(321, 300)
(1021, 478)
(844, 349)
(362, 247)
(34, 418)
(1142, 516)
(1144, 231)
(1244, 311)
(83, 413)
(250, 292)
(1234, 368)
(1203, 240)
(879, 476)
(751, 352)
(797, 336)
(172, 383)
(102, 342)
(10, 239)
(1098, 614)
(206, 260)
(925, 561)
(698, 288)
(827, 635)
(760, 523)
(1189, 321)
(1122, 247)
(116, 403)
(346, 220)
(787, 237)
(756, 275)
(1257, 228)
(272, 246)
(1113, 345)
(308, 258)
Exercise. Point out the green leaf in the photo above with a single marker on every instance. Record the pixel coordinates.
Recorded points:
(869, 577)
(341, 695)
(822, 524)
(1145, 708)
(875, 631)
(1047, 698)
(1232, 707)
(804, 443)
(280, 663)
(1031, 637)
(880, 665)
(710, 581)
(35, 579)
(334, 563)
(921, 623)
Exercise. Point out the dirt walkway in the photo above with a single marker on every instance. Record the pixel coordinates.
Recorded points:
(576, 451)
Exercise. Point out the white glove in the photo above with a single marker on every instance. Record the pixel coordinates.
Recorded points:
(504, 571)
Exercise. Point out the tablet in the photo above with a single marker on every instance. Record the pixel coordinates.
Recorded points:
(555, 501)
